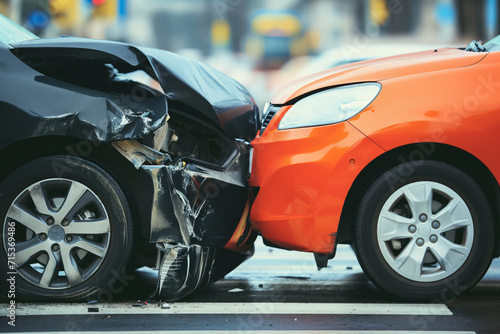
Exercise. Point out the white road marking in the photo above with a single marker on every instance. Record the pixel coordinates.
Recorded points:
(236, 308)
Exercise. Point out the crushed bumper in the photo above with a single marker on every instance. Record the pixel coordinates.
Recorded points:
(195, 213)
(186, 269)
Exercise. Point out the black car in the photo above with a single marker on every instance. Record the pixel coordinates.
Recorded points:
(115, 157)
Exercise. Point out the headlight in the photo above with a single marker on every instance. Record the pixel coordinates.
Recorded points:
(330, 106)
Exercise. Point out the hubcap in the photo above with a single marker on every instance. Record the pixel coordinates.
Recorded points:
(62, 233)
(56, 233)
(433, 228)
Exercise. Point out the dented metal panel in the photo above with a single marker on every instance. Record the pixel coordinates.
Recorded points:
(139, 154)
(56, 108)
(219, 97)
(191, 217)
(206, 207)
(191, 203)
(209, 93)
(164, 224)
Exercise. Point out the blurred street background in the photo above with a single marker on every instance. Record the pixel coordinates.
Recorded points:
(265, 44)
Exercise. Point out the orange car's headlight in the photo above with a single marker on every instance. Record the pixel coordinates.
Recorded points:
(330, 106)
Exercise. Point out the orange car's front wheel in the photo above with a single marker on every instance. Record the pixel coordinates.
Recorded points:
(424, 231)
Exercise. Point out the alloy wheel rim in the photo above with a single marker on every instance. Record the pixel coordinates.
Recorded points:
(425, 231)
(62, 233)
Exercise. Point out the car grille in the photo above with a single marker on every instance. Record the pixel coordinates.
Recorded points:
(271, 111)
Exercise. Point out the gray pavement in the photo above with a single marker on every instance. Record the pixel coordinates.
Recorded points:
(276, 291)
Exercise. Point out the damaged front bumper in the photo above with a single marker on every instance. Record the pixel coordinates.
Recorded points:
(198, 217)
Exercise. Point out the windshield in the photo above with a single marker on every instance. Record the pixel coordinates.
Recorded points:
(11, 32)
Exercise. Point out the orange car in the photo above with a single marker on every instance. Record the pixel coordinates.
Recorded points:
(395, 156)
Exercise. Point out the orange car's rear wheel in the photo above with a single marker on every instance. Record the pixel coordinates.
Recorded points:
(424, 235)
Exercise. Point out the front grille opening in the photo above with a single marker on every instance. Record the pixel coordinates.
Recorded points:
(271, 111)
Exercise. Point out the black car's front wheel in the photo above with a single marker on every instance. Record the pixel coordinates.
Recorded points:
(426, 236)
(66, 229)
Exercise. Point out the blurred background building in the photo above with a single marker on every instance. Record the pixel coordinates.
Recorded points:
(250, 39)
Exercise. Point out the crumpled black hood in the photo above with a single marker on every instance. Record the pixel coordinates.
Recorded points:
(216, 97)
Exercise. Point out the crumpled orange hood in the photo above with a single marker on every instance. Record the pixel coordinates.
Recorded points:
(379, 69)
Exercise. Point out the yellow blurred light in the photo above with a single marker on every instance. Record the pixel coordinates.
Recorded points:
(108, 10)
(285, 25)
(65, 13)
(379, 13)
(221, 33)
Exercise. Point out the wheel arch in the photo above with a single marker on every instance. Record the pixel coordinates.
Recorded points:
(133, 182)
(18, 153)
(414, 153)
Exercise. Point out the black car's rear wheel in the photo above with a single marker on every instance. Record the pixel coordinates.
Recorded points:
(66, 229)
(426, 236)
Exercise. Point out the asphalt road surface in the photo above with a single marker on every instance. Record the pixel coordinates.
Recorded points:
(274, 292)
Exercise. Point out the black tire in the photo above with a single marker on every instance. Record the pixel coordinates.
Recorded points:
(402, 232)
(80, 231)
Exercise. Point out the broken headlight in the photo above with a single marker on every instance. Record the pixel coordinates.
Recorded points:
(192, 141)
